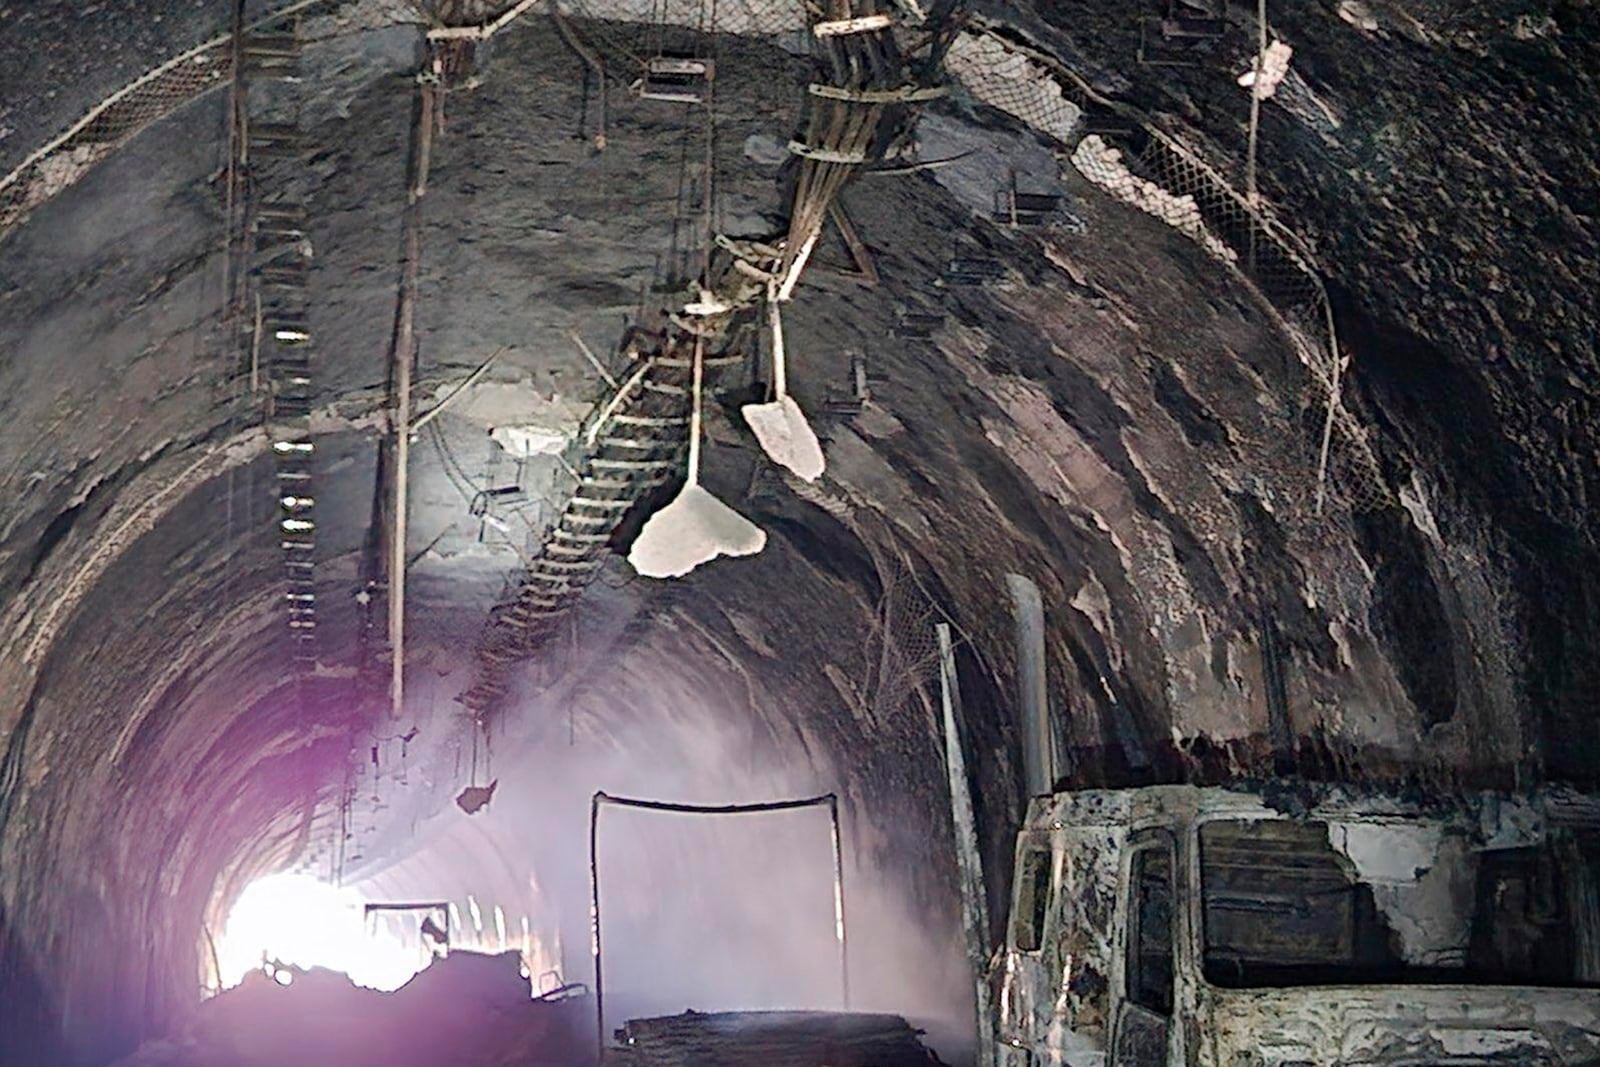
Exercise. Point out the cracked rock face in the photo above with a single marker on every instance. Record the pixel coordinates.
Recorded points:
(1115, 417)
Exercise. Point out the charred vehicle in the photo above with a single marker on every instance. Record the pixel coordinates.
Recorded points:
(1285, 926)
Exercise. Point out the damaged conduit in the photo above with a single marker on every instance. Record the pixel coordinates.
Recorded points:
(974, 903)
(402, 358)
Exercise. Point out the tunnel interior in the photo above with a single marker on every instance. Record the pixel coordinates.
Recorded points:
(1310, 497)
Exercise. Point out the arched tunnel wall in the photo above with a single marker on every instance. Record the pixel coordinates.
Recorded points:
(1121, 421)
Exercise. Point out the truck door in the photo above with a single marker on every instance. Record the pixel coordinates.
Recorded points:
(1026, 993)
(1143, 1031)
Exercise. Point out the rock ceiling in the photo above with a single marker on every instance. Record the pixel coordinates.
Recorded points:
(1116, 416)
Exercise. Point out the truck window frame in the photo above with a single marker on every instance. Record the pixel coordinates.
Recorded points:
(1031, 907)
(1139, 844)
(1196, 933)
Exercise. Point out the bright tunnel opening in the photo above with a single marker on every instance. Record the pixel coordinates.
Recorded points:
(296, 920)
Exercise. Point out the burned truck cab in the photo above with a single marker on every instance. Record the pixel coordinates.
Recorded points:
(1286, 925)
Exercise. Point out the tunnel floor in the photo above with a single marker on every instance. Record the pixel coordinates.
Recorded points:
(468, 1010)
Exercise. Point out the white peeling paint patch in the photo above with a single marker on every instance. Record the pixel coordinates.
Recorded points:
(1385, 854)
(1101, 164)
(1422, 883)
(1068, 1047)
(518, 403)
(1094, 603)
(1432, 918)
(525, 441)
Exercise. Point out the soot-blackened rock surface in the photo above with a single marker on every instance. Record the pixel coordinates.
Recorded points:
(1115, 417)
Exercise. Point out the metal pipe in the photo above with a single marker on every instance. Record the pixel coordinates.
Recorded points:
(402, 355)
(594, 927)
(838, 902)
(1033, 698)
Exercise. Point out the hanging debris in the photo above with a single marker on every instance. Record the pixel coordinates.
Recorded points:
(474, 798)
(780, 426)
(633, 442)
(696, 527)
(1268, 71)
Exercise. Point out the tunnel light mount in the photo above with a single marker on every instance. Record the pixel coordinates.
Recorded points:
(676, 79)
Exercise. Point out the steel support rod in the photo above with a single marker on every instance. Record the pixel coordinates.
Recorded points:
(402, 359)
(838, 902)
(594, 928)
(462, 386)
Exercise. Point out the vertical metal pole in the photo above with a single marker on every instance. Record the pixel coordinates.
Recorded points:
(1251, 193)
(238, 131)
(403, 354)
(1033, 701)
(974, 904)
(838, 902)
(594, 927)
(1255, 104)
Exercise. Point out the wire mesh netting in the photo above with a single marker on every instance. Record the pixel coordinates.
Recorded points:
(1143, 166)
(1012, 83)
(109, 124)
(1173, 184)
(899, 661)
(627, 34)
(59, 165)
(901, 657)
(742, 17)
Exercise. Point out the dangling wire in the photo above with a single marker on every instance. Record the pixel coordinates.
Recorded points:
(712, 187)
